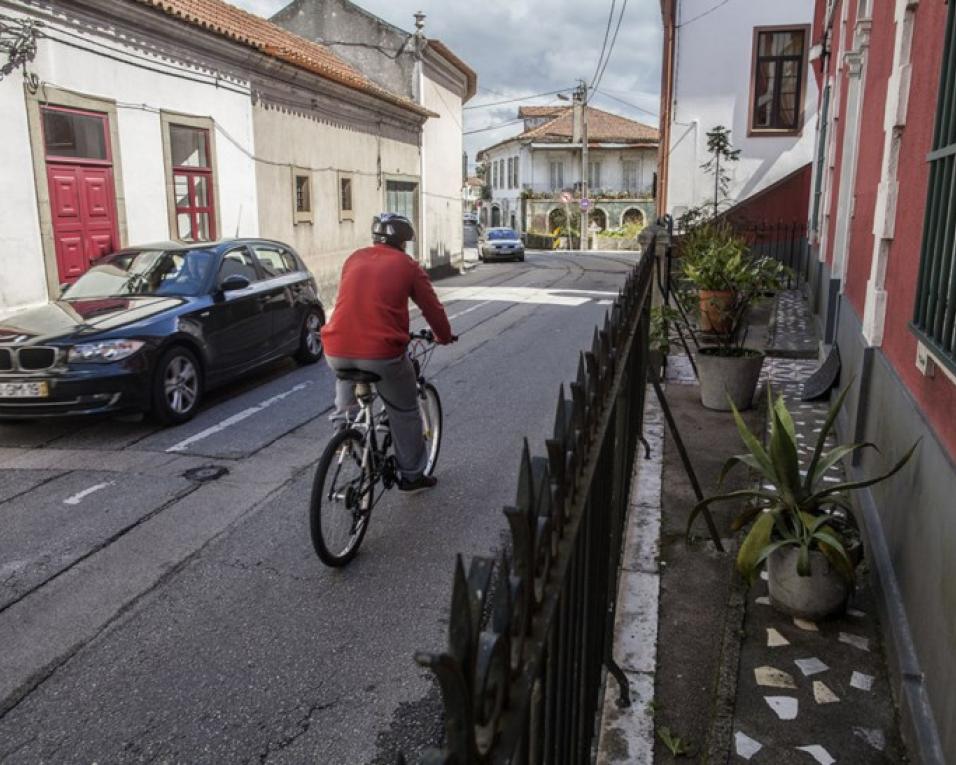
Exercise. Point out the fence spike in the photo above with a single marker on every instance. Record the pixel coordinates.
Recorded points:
(525, 498)
(479, 580)
(460, 629)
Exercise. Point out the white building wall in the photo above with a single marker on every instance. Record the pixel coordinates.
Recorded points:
(442, 143)
(325, 153)
(712, 82)
(139, 95)
(22, 275)
(508, 200)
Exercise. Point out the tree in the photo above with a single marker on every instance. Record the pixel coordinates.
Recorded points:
(721, 152)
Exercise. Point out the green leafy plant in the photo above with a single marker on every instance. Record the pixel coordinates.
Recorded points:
(722, 153)
(794, 507)
(675, 744)
(662, 316)
(716, 259)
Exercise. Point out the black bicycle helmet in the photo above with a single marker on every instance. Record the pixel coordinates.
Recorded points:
(392, 229)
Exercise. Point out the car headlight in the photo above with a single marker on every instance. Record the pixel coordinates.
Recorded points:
(105, 351)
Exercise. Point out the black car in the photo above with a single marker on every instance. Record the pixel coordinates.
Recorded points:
(151, 328)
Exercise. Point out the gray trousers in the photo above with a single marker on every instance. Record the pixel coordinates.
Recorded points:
(399, 392)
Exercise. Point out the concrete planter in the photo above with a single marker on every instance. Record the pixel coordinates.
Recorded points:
(628, 244)
(607, 243)
(823, 593)
(723, 376)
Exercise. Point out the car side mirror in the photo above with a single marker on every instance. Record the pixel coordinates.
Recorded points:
(234, 283)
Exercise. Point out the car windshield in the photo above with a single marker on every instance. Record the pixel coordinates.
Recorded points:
(502, 233)
(179, 273)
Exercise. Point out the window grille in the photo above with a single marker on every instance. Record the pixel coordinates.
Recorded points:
(934, 319)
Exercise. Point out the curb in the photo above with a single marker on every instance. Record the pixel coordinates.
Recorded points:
(626, 735)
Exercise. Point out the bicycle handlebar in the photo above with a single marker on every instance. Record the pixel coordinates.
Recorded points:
(428, 336)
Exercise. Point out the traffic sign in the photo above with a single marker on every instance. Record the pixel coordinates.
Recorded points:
(585, 203)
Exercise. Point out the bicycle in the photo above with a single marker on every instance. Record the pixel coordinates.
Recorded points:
(357, 468)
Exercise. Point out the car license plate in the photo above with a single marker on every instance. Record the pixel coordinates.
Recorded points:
(24, 389)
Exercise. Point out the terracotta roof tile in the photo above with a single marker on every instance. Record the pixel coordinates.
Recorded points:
(603, 127)
(540, 111)
(248, 29)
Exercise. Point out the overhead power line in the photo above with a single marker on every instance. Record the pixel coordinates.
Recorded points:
(607, 34)
(701, 15)
(626, 103)
(515, 100)
(610, 51)
(492, 127)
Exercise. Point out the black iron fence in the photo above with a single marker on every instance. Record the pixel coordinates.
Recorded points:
(784, 242)
(530, 633)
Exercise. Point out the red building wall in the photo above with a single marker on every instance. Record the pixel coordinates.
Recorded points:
(879, 66)
(785, 201)
(842, 40)
(936, 397)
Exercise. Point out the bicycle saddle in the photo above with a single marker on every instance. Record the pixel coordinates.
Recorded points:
(357, 376)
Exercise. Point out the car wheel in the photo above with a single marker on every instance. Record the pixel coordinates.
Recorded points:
(521, 258)
(177, 386)
(310, 343)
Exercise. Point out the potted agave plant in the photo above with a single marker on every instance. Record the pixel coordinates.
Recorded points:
(727, 283)
(800, 525)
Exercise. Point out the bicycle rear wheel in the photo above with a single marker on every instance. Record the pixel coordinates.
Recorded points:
(429, 404)
(341, 500)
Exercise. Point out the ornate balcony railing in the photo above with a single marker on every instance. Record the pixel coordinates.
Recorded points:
(530, 633)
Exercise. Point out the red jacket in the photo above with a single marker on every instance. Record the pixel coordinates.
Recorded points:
(370, 320)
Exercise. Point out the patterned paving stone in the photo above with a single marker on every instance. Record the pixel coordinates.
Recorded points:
(842, 711)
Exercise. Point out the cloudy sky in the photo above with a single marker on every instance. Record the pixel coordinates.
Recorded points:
(525, 47)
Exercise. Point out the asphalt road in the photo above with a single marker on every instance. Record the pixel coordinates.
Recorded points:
(149, 615)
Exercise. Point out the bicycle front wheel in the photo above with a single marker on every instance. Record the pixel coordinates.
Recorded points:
(429, 404)
(341, 499)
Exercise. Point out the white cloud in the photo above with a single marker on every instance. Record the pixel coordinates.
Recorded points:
(521, 47)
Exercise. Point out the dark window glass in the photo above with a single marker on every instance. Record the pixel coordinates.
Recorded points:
(778, 80)
(189, 146)
(147, 272)
(238, 262)
(345, 191)
(74, 134)
(303, 194)
(275, 261)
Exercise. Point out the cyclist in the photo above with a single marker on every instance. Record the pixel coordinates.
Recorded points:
(369, 331)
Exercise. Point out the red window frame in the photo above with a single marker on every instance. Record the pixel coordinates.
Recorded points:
(192, 174)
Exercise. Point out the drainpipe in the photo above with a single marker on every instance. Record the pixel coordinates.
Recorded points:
(420, 43)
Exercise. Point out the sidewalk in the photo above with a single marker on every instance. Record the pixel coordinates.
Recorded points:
(727, 678)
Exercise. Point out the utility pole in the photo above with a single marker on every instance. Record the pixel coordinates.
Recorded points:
(421, 240)
(581, 98)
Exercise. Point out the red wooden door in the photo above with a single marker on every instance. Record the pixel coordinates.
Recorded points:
(82, 194)
(84, 216)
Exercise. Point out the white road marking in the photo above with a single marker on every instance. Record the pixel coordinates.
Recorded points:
(469, 310)
(236, 418)
(81, 495)
(534, 295)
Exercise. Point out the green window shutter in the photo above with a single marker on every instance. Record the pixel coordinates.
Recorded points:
(934, 317)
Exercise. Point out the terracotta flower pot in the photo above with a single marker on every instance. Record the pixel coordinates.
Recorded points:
(716, 311)
(819, 595)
